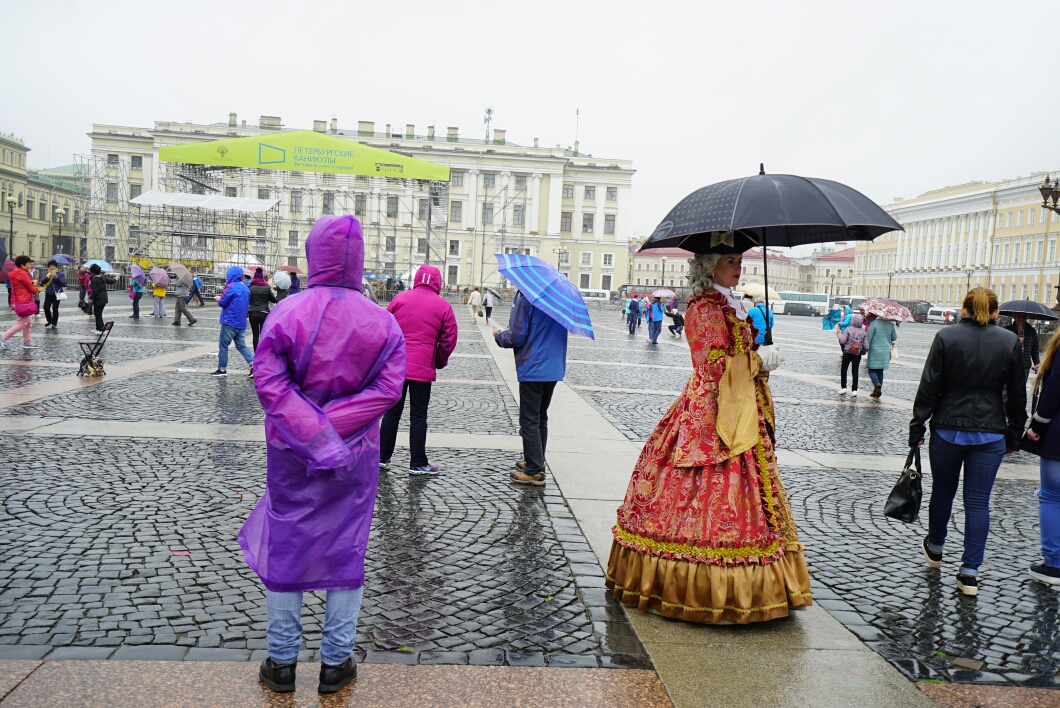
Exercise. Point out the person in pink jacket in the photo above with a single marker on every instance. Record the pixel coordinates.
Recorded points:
(430, 330)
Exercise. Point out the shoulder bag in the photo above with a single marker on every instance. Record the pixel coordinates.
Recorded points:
(25, 309)
(903, 503)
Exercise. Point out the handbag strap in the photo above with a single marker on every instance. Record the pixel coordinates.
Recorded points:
(913, 459)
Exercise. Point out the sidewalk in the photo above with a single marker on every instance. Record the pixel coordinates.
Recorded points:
(809, 659)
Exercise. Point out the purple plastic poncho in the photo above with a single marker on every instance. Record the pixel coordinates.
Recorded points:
(328, 365)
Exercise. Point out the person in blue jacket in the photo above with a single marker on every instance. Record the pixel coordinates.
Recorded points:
(296, 284)
(540, 345)
(655, 314)
(632, 314)
(757, 315)
(234, 302)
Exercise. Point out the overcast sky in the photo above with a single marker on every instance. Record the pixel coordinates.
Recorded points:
(893, 98)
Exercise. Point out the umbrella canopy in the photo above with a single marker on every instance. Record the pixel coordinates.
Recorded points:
(495, 293)
(1033, 310)
(281, 280)
(5, 269)
(759, 290)
(183, 274)
(769, 210)
(64, 258)
(159, 277)
(138, 275)
(663, 293)
(290, 269)
(886, 309)
(548, 290)
(103, 265)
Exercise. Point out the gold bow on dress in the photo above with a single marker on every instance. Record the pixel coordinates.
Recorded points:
(738, 402)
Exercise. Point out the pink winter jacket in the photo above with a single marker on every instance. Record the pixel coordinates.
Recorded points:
(428, 324)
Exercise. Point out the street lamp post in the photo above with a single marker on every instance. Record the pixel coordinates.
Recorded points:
(663, 284)
(11, 225)
(969, 272)
(559, 255)
(831, 289)
(61, 215)
(890, 275)
(1050, 189)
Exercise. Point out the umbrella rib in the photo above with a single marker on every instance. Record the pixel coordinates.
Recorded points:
(736, 205)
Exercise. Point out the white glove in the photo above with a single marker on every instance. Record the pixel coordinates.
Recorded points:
(771, 357)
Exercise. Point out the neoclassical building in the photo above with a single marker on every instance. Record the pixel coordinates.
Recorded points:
(994, 234)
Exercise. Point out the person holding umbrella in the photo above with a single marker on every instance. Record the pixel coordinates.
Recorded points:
(488, 302)
(655, 315)
(185, 282)
(136, 289)
(160, 280)
(1028, 342)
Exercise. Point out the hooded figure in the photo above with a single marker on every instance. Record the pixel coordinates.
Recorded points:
(430, 330)
(329, 364)
(234, 301)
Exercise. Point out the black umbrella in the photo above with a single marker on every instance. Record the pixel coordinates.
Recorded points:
(1033, 310)
(769, 210)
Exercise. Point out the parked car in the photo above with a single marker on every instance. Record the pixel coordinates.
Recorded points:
(943, 315)
(799, 308)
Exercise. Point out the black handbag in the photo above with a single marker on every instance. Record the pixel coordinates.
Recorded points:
(903, 503)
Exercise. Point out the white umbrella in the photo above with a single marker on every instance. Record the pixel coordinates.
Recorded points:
(758, 290)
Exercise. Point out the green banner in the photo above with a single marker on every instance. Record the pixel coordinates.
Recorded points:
(305, 151)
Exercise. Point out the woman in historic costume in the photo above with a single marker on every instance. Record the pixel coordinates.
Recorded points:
(705, 533)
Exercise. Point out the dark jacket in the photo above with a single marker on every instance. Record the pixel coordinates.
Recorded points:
(677, 317)
(1030, 343)
(1044, 421)
(99, 289)
(260, 297)
(540, 342)
(54, 284)
(967, 368)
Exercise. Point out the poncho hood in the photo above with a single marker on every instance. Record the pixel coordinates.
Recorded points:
(429, 277)
(233, 274)
(335, 253)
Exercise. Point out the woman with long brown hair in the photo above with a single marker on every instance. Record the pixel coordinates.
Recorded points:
(973, 425)
(1043, 439)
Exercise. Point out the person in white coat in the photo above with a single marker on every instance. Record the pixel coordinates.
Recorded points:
(474, 303)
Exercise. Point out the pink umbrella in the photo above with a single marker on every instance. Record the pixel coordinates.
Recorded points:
(9, 265)
(138, 275)
(886, 309)
(159, 277)
(290, 269)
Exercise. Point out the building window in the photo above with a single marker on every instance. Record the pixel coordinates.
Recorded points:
(134, 239)
(564, 257)
(454, 248)
(425, 209)
(997, 252)
(590, 191)
(453, 273)
(609, 260)
(587, 223)
(328, 205)
(137, 162)
(1019, 218)
(391, 207)
(520, 181)
(110, 230)
(112, 192)
(487, 214)
(489, 180)
(230, 192)
(135, 190)
(55, 214)
(360, 204)
(112, 160)
(29, 208)
(568, 191)
(583, 281)
(421, 245)
(609, 223)
(263, 192)
(612, 194)
(1008, 223)
(457, 179)
(292, 261)
(519, 215)
(292, 239)
(77, 216)
(456, 211)
(565, 220)
(1052, 250)
(605, 282)
(296, 200)
(586, 258)
(390, 244)
(42, 211)
(1006, 260)
(108, 253)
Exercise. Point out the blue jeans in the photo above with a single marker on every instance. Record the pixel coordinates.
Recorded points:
(228, 333)
(654, 328)
(285, 625)
(980, 468)
(1049, 511)
(876, 376)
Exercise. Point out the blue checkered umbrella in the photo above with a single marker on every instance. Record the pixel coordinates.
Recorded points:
(548, 290)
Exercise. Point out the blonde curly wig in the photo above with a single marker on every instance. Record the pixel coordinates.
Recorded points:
(701, 272)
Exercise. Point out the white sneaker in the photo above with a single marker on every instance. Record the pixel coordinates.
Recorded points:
(843, 392)
(853, 394)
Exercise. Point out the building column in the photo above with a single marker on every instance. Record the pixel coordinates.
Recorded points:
(535, 202)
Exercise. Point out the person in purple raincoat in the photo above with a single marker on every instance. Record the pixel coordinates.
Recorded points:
(329, 364)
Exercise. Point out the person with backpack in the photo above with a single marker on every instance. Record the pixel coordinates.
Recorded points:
(854, 341)
(196, 291)
(136, 291)
(758, 315)
(678, 327)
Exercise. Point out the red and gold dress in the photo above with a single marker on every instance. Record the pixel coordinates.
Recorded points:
(705, 533)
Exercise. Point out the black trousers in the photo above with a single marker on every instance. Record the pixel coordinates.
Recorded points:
(489, 312)
(97, 308)
(631, 322)
(51, 308)
(419, 393)
(257, 319)
(534, 399)
(136, 304)
(849, 359)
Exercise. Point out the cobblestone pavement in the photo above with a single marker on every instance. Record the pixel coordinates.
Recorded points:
(15, 376)
(107, 543)
(868, 572)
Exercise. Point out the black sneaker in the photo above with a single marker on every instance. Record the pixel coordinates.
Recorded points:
(219, 372)
(278, 677)
(968, 584)
(933, 559)
(1045, 574)
(334, 678)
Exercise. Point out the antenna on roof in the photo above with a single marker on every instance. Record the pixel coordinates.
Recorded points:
(761, 168)
(487, 119)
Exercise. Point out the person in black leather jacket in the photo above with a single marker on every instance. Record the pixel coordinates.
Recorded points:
(1043, 439)
(973, 425)
(260, 297)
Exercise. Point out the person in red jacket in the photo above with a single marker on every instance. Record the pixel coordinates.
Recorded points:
(23, 290)
(430, 330)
